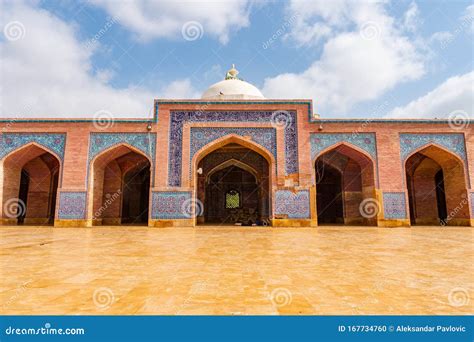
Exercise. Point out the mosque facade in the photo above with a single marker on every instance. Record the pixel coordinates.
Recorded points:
(236, 158)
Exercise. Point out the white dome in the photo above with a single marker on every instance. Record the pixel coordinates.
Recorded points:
(232, 88)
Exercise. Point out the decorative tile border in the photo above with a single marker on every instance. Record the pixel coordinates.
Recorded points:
(321, 141)
(72, 205)
(56, 142)
(171, 205)
(394, 206)
(295, 205)
(206, 104)
(201, 136)
(144, 142)
(178, 118)
(453, 142)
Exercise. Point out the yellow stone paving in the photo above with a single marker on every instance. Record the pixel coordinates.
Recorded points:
(236, 271)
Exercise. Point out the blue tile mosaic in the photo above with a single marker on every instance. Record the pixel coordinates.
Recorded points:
(295, 205)
(144, 142)
(365, 141)
(453, 142)
(394, 205)
(178, 118)
(72, 205)
(171, 205)
(55, 142)
(201, 136)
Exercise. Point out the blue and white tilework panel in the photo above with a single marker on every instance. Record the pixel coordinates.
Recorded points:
(453, 142)
(171, 205)
(295, 205)
(201, 136)
(178, 118)
(144, 142)
(72, 205)
(394, 205)
(55, 142)
(321, 141)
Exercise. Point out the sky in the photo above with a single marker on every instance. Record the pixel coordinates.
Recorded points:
(354, 59)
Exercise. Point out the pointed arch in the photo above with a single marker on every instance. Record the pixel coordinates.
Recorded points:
(228, 139)
(31, 176)
(437, 186)
(108, 177)
(346, 178)
(263, 191)
(233, 162)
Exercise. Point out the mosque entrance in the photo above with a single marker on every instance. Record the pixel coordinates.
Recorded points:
(233, 187)
(436, 187)
(120, 187)
(30, 184)
(345, 188)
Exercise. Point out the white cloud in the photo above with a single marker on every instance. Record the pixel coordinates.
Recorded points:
(165, 19)
(468, 16)
(365, 56)
(454, 94)
(48, 73)
(411, 18)
(180, 89)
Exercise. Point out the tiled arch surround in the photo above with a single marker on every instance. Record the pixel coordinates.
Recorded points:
(179, 118)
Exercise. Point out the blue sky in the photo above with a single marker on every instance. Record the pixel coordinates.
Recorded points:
(353, 58)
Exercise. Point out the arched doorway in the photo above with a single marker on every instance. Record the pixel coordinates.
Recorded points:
(120, 187)
(233, 185)
(345, 187)
(437, 192)
(30, 184)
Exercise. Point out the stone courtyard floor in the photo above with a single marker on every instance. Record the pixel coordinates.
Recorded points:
(234, 271)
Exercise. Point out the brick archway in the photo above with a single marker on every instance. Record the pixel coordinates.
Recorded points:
(437, 187)
(119, 186)
(345, 180)
(244, 160)
(31, 176)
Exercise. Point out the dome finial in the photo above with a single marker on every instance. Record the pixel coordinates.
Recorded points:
(232, 73)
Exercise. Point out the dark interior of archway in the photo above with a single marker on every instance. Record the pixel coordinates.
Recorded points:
(233, 186)
(329, 194)
(23, 194)
(426, 191)
(238, 183)
(38, 190)
(136, 195)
